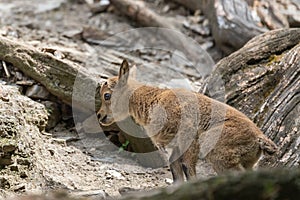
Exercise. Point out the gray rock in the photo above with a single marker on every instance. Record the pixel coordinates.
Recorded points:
(37, 92)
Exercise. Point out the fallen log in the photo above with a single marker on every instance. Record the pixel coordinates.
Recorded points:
(137, 11)
(279, 184)
(57, 75)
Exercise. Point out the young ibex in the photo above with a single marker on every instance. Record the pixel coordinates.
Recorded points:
(190, 123)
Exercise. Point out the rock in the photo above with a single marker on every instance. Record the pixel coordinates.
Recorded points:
(18, 188)
(20, 119)
(14, 168)
(23, 161)
(91, 194)
(75, 33)
(127, 190)
(111, 173)
(25, 82)
(42, 164)
(4, 184)
(5, 161)
(168, 181)
(37, 92)
(8, 147)
(23, 174)
(19, 76)
(99, 7)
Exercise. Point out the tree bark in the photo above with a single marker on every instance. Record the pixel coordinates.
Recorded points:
(57, 75)
(263, 81)
(231, 22)
(234, 23)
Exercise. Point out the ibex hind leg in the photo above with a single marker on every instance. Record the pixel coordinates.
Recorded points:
(189, 160)
(176, 165)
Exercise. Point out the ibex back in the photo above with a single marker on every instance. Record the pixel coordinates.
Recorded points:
(189, 123)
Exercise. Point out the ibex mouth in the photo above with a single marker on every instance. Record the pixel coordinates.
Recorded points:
(104, 118)
(105, 121)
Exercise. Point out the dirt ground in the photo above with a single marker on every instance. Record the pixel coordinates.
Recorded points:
(84, 161)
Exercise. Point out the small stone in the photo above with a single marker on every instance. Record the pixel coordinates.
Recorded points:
(4, 184)
(9, 148)
(5, 161)
(14, 168)
(59, 54)
(115, 174)
(75, 33)
(23, 161)
(23, 174)
(94, 194)
(19, 76)
(168, 181)
(19, 188)
(127, 190)
(4, 97)
(166, 8)
(25, 82)
(37, 92)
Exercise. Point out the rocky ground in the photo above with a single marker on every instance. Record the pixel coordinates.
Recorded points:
(57, 155)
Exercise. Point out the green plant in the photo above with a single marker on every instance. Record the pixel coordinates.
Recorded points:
(124, 146)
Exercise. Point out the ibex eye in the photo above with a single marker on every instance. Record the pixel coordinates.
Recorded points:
(107, 96)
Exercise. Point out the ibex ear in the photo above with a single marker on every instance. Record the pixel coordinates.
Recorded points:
(123, 73)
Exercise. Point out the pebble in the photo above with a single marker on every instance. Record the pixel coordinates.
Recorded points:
(168, 181)
(114, 174)
(37, 92)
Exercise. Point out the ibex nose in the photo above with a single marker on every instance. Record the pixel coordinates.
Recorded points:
(98, 115)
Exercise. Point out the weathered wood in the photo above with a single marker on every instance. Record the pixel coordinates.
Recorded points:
(57, 75)
(280, 184)
(263, 80)
(137, 11)
(270, 14)
(232, 23)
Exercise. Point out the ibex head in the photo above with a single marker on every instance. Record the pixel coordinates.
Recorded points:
(114, 97)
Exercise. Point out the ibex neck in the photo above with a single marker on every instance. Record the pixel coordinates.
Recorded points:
(141, 101)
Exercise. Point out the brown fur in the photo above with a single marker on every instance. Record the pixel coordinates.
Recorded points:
(189, 123)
